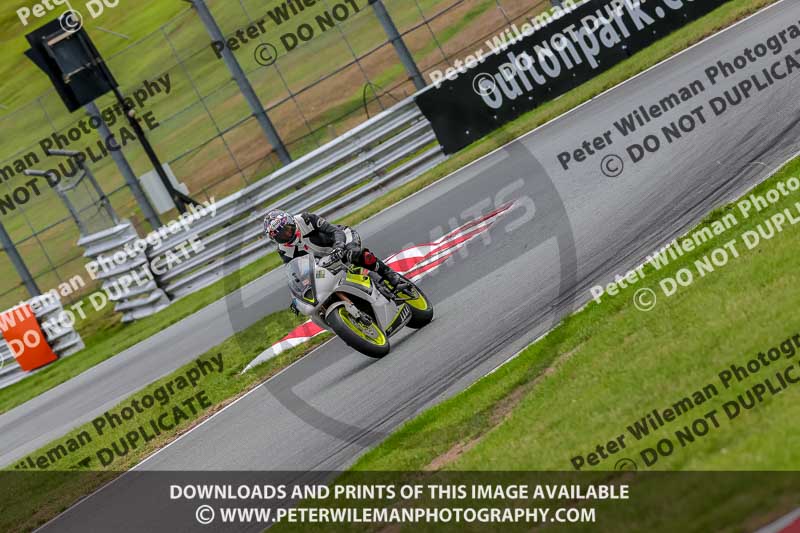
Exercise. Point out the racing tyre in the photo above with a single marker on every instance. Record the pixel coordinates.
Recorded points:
(420, 305)
(369, 340)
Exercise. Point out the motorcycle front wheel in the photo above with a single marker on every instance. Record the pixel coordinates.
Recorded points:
(367, 339)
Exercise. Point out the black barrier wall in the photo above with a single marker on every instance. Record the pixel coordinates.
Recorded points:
(539, 62)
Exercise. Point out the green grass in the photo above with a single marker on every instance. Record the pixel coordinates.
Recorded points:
(105, 336)
(34, 498)
(612, 352)
(208, 171)
(104, 344)
(641, 61)
(609, 364)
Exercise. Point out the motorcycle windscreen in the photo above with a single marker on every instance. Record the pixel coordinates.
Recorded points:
(300, 272)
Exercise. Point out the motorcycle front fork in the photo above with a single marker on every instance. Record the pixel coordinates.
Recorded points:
(354, 311)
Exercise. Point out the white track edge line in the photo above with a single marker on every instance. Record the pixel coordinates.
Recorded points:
(437, 182)
(781, 523)
(767, 176)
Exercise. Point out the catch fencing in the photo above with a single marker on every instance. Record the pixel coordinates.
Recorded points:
(314, 94)
(385, 152)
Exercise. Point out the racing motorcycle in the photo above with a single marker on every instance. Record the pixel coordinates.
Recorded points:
(356, 304)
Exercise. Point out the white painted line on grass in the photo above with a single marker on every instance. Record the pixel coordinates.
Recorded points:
(471, 163)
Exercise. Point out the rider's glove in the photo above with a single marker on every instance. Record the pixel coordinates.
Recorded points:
(293, 308)
(349, 256)
(338, 253)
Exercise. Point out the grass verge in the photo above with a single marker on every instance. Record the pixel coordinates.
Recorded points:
(595, 378)
(94, 453)
(519, 410)
(103, 344)
(105, 336)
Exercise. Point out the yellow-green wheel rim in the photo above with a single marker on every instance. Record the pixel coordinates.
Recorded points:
(417, 303)
(345, 316)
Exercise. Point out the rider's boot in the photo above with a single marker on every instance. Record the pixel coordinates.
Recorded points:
(391, 276)
(371, 262)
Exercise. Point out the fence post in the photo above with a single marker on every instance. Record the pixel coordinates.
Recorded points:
(125, 169)
(241, 80)
(399, 45)
(19, 264)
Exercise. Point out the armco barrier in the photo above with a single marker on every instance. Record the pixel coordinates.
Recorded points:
(131, 285)
(62, 338)
(384, 152)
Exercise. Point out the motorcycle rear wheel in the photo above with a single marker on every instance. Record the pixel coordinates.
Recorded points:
(420, 305)
(371, 340)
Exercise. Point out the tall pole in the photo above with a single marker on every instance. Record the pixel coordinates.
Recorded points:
(399, 45)
(125, 169)
(179, 199)
(244, 84)
(19, 264)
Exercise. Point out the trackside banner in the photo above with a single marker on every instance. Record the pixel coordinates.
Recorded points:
(21, 331)
(536, 61)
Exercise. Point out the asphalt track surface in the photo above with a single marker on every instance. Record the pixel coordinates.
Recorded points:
(500, 294)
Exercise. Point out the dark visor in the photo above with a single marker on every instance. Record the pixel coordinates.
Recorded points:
(286, 234)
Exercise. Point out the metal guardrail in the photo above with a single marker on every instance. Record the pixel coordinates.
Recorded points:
(134, 300)
(390, 149)
(381, 154)
(10, 371)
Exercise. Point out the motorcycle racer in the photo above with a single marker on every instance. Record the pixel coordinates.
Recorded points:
(307, 233)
